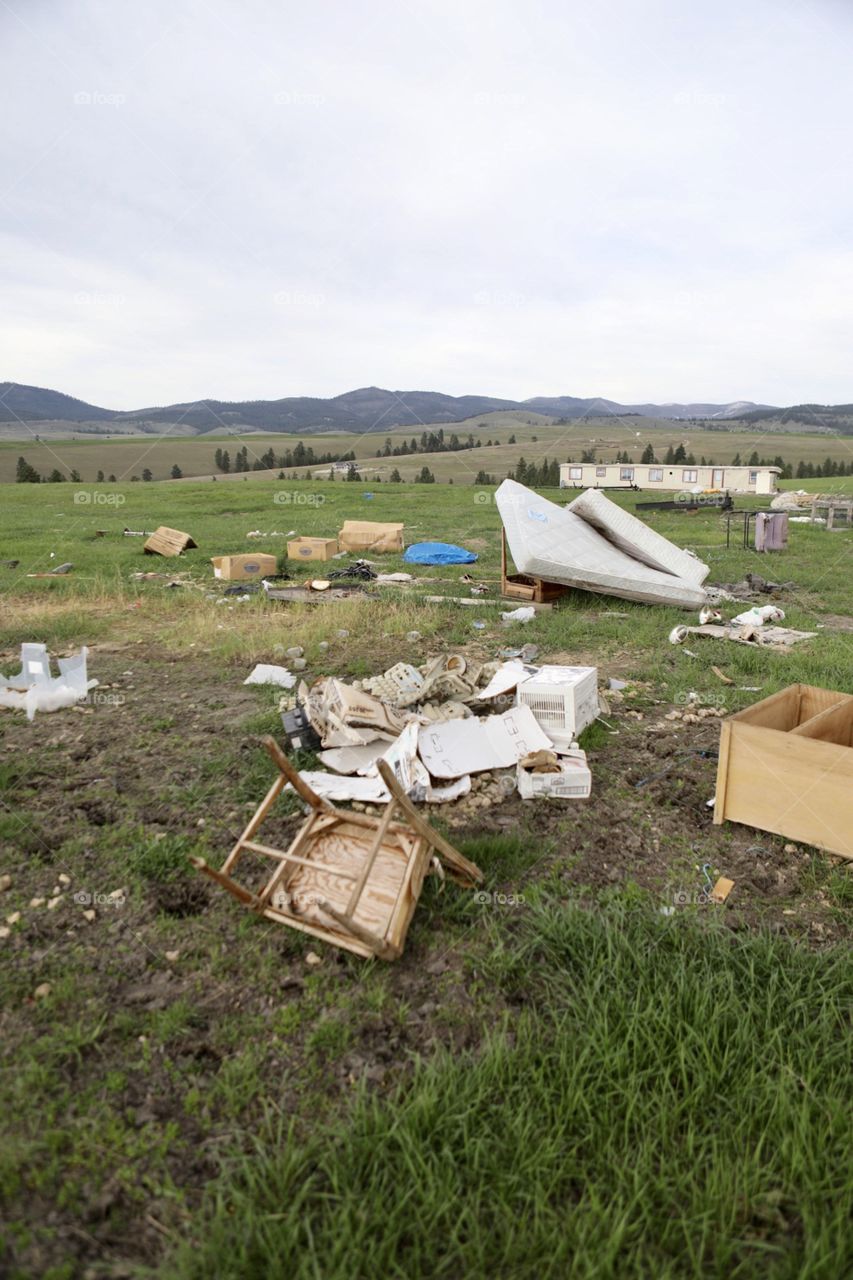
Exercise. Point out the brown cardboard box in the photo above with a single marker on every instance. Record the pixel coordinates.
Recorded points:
(312, 548)
(365, 535)
(240, 568)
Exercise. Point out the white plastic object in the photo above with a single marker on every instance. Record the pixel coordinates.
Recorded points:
(564, 701)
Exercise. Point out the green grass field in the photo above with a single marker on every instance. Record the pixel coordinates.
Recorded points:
(537, 437)
(587, 1081)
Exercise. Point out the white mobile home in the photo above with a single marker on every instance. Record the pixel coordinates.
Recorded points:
(667, 477)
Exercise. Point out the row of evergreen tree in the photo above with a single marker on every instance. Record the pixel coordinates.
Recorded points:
(27, 474)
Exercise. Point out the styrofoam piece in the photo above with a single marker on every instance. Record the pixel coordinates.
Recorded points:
(402, 681)
(266, 673)
(758, 615)
(564, 700)
(636, 538)
(553, 543)
(34, 689)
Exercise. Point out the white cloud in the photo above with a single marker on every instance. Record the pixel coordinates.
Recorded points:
(642, 202)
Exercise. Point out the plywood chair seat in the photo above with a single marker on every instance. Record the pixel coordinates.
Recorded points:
(347, 878)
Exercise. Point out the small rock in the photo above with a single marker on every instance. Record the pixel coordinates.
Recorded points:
(5, 883)
(172, 956)
(790, 848)
(55, 890)
(313, 959)
(89, 915)
(63, 878)
(54, 903)
(36, 902)
(42, 991)
(4, 931)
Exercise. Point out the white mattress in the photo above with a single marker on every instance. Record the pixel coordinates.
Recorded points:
(636, 538)
(551, 542)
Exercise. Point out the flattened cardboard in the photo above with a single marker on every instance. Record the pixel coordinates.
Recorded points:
(367, 535)
(458, 747)
(167, 542)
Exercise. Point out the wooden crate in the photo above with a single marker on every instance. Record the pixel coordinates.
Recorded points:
(518, 586)
(786, 766)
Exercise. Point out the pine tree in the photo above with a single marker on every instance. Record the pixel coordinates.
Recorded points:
(648, 454)
(176, 472)
(25, 474)
(395, 476)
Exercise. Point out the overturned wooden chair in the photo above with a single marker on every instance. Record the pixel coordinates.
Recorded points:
(348, 878)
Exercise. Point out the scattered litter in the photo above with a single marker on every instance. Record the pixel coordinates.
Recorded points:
(544, 774)
(257, 533)
(312, 548)
(523, 614)
(475, 745)
(167, 542)
(366, 535)
(506, 679)
(244, 591)
(478, 626)
(721, 675)
(239, 568)
(356, 880)
(390, 579)
(361, 570)
(756, 617)
(615, 684)
(413, 636)
(722, 889)
(265, 673)
(564, 700)
(563, 546)
(709, 615)
(438, 553)
(35, 689)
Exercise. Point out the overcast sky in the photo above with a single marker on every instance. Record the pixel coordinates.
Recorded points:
(640, 199)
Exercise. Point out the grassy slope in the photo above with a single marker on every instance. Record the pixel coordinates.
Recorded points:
(124, 458)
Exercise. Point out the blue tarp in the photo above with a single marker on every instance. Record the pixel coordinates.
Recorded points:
(438, 553)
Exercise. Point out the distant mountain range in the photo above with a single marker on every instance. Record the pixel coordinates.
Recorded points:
(368, 409)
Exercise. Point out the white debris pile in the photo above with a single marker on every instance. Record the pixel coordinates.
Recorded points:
(438, 724)
(34, 689)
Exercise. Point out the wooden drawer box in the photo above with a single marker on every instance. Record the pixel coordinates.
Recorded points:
(786, 766)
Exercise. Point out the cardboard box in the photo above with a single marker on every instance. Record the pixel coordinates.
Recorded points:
(241, 568)
(786, 766)
(366, 535)
(312, 548)
(168, 542)
(573, 782)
